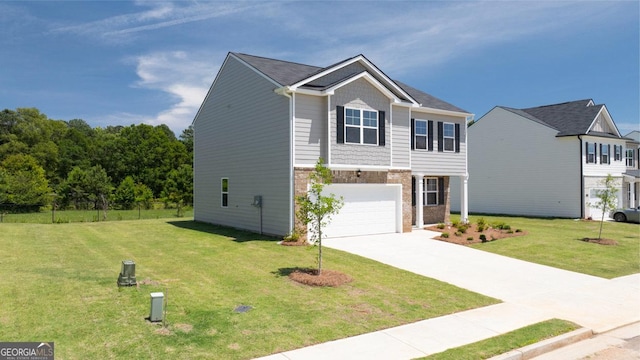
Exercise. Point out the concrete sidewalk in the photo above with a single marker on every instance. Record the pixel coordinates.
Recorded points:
(531, 293)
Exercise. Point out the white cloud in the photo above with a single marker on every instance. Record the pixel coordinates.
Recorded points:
(186, 77)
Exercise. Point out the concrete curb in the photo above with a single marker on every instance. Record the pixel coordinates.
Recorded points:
(546, 346)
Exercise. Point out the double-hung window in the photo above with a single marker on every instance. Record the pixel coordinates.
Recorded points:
(629, 157)
(431, 192)
(449, 136)
(591, 153)
(604, 154)
(361, 126)
(420, 134)
(224, 190)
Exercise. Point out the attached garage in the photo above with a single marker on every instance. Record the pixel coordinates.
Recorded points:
(368, 209)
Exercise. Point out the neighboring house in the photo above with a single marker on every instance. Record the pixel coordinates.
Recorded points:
(264, 123)
(631, 177)
(545, 161)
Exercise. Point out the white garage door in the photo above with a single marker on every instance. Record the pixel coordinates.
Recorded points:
(368, 209)
(593, 209)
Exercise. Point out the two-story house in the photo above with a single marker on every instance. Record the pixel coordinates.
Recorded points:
(631, 177)
(544, 161)
(264, 123)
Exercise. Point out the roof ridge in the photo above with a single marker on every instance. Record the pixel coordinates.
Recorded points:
(557, 104)
(272, 59)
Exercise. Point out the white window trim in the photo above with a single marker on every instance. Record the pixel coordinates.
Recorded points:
(426, 135)
(629, 159)
(591, 146)
(445, 137)
(223, 193)
(427, 191)
(362, 126)
(605, 158)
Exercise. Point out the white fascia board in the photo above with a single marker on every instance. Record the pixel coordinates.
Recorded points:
(444, 112)
(364, 75)
(607, 116)
(354, 167)
(367, 64)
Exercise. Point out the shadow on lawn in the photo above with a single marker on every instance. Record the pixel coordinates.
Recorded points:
(235, 234)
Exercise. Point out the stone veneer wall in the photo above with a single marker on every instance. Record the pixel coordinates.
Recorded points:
(301, 179)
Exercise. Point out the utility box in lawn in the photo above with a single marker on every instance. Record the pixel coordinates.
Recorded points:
(127, 275)
(157, 300)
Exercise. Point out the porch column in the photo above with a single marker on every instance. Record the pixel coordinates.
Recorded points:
(419, 204)
(632, 194)
(464, 199)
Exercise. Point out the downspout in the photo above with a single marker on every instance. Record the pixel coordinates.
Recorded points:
(284, 91)
(581, 180)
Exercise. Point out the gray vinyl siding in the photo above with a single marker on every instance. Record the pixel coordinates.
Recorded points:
(311, 129)
(360, 94)
(519, 167)
(230, 131)
(435, 162)
(401, 137)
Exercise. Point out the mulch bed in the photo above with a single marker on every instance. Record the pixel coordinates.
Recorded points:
(326, 278)
(472, 233)
(295, 243)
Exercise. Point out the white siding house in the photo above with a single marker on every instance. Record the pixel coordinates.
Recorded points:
(546, 161)
(265, 122)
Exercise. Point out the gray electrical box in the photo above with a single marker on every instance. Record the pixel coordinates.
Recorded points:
(257, 201)
(157, 300)
(127, 275)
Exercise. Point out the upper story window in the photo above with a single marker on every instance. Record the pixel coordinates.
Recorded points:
(630, 159)
(361, 126)
(449, 136)
(591, 153)
(420, 129)
(604, 154)
(617, 152)
(224, 189)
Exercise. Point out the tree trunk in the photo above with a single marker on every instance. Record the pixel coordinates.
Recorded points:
(601, 222)
(319, 249)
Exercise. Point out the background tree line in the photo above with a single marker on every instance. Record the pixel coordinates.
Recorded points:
(44, 160)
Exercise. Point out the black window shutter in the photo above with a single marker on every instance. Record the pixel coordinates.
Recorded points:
(440, 191)
(413, 191)
(440, 135)
(381, 126)
(595, 153)
(609, 153)
(586, 151)
(457, 138)
(430, 135)
(601, 154)
(340, 124)
(413, 134)
(615, 152)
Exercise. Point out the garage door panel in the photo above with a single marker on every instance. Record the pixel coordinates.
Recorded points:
(368, 209)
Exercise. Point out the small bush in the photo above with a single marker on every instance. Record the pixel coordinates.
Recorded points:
(445, 235)
(509, 231)
(483, 238)
(506, 227)
(518, 230)
(293, 236)
(458, 233)
(463, 228)
(482, 228)
(481, 222)
(455, 223)
(470, 238)
(441, 226)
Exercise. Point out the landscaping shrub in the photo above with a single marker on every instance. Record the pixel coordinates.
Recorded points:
(483, 238)
(458, 233)
(441, 226)
(455, 223)
(445, 235)
(470, 238)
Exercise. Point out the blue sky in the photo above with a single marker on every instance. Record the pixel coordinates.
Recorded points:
(121, 63)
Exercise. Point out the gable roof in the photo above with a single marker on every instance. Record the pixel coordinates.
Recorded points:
(569, 118)
(288, 73)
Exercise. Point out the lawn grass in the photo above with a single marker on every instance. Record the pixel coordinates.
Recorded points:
(59, 284)
(506, 342)
(557, 243)
(66, 216)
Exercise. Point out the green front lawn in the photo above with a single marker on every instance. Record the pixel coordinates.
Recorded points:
(59, 284)
(557, 243)
(504, 343)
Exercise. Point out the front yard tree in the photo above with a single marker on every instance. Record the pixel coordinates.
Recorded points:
(607, 198)
(178, 187)
(316, 208)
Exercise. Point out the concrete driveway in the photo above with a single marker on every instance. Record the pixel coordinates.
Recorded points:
(593, 302)
(531, 293)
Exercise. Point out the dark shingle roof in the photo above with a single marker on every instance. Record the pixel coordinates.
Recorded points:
(289, 73)
(569, 118)
(282, 72)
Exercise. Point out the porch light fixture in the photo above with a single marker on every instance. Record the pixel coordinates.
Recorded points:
(358, 173)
